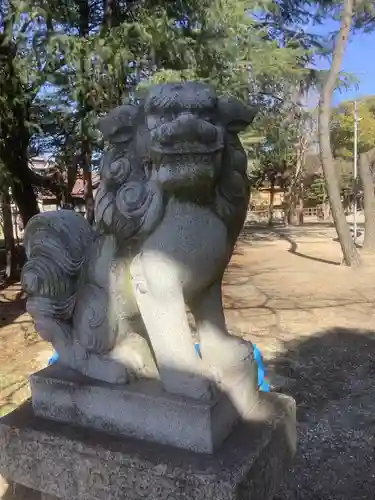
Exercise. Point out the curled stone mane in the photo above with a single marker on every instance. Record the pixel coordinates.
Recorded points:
(232, 192)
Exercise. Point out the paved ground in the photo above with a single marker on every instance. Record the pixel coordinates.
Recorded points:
(312, 318)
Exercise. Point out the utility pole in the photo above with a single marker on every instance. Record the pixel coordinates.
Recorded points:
(355, 168)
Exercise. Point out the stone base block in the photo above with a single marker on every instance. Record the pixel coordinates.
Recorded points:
(81, 464)
(141, 409)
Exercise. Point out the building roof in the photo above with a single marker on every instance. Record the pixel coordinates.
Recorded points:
(42, 166)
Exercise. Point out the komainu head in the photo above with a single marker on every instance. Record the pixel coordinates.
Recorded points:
(182, 138)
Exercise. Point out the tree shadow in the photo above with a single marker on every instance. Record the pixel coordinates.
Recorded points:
(332, 376)
(334, 386)
(4, 284)
(19, 259)
(294, 250)
(262, 232)
(274, 301)
(260, 444)
(258, 233)
(12, 305)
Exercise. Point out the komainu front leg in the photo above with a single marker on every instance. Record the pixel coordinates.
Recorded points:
(218, 347)
(229, 359)
(160, 300)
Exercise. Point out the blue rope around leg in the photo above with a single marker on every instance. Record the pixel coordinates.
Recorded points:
(263, 385)
(53, 359)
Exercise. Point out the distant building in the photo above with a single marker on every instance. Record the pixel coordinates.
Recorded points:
(47, 200)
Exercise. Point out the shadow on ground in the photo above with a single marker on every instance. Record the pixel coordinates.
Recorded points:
(333, 382)
(332, 378)
(12, 300)
(258, 233)
(12, 305)
(294, 250)
(253, 232)
(19, 259)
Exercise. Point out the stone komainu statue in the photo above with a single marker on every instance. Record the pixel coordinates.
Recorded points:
(171, 203)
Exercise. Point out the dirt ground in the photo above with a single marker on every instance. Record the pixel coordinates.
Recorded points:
(313, 320)
(21, 350)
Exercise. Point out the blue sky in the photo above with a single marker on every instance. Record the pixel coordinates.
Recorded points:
(359, 60)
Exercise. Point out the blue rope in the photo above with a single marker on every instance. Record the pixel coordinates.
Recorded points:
(53, 359)
(263, 385)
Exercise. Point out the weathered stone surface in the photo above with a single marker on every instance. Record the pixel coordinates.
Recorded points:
(172, 200)
(78, 464)
(141, 409)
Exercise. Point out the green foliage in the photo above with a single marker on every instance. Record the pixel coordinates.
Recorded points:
(66, 62)
(25, 65)
(218, 41)
(270, 171)
(224, 45)
(286, 131)
(316, 191)
(307, 11)
(342, 132)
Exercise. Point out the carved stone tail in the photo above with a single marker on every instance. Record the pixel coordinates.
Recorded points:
(55, 244)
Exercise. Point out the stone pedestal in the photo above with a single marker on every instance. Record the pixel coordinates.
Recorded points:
(142, 409)
(81, 464)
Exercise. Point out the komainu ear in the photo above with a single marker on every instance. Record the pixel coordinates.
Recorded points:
(235, 115)
(117, 125)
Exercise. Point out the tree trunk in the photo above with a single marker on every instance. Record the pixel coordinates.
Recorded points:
(349, 250)
(10, 265)
(14, 157)
(296, 189)
(272, 200)
(367, 181)
(300, 218)
(301, 158)
(22, 189)
(84, 30)
(108, 8)
(286, 213)
(14, 140)
(291, 209)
